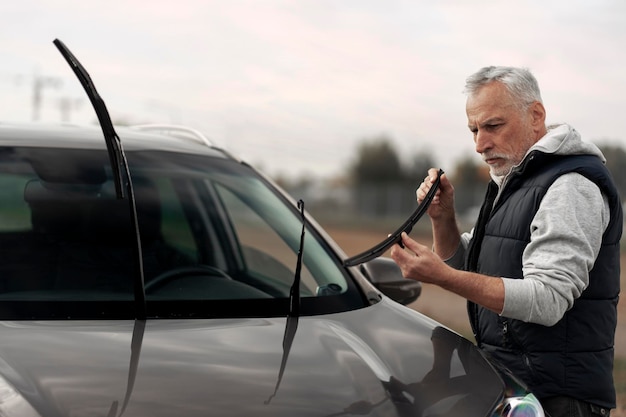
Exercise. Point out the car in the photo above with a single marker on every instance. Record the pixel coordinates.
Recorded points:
(146, 271)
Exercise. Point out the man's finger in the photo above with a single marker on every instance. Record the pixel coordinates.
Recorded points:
(406, 240)
(411, 244)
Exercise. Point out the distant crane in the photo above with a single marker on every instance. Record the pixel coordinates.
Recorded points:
(66, 105)
(39, 83)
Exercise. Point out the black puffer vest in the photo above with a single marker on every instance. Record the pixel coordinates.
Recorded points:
(575, 356)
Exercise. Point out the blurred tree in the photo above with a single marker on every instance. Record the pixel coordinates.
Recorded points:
(382, 184)
(418, 167)
(376, 162)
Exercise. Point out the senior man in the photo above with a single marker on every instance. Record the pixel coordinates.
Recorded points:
(540, 269)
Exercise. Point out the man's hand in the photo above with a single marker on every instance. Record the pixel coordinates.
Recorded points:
(446, 235)
(420, 263)
(442, 205)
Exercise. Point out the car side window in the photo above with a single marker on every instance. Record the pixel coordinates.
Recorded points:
(14, 212)
(175, 228)
(264, 252)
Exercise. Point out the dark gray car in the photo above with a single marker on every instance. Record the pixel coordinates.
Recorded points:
(157, 279)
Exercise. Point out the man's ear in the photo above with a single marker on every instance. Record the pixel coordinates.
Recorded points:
(537, 114)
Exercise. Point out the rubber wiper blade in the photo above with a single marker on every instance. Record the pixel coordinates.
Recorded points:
(113, 142)
(396, 237)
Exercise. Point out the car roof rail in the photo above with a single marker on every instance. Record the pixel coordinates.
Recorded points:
(183, 132)
(179, 131)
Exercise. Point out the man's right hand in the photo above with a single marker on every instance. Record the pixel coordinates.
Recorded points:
(442, 206)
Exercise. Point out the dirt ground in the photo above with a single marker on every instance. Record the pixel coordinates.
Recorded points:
(450, 310)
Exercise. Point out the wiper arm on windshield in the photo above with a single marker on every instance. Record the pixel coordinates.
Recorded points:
(396, 237)
(119, 166)
(116, 155)
(291, 324)
(294, 294)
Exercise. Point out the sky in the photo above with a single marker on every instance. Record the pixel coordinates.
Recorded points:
(294, 86)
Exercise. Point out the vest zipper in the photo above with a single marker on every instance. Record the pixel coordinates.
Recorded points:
(517, 346)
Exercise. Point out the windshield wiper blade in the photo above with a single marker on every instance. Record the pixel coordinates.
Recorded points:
(119, 166)
(116, 155)
(396, 237)
(294, 294)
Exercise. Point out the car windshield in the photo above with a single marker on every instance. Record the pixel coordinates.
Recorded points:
(216, 239)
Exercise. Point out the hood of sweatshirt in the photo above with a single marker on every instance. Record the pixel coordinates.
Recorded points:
(563, 139)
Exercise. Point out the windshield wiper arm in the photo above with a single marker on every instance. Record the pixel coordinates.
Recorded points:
(294, 294)
(396, 237)
(294, 308)
(119, 166)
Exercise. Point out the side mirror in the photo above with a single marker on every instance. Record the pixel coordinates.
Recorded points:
(386, 275)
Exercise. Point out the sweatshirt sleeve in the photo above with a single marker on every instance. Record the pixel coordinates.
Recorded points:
(457, 260)
(566, 235)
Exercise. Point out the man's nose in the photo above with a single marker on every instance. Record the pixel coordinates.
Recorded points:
(482, 142)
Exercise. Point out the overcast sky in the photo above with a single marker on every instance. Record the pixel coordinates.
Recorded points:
(293, 86)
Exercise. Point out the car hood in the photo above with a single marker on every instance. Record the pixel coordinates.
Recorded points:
(381, 360)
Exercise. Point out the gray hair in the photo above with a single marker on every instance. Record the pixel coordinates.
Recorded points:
(520, 83)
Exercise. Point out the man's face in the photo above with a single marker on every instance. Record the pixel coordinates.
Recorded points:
(503, 132)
